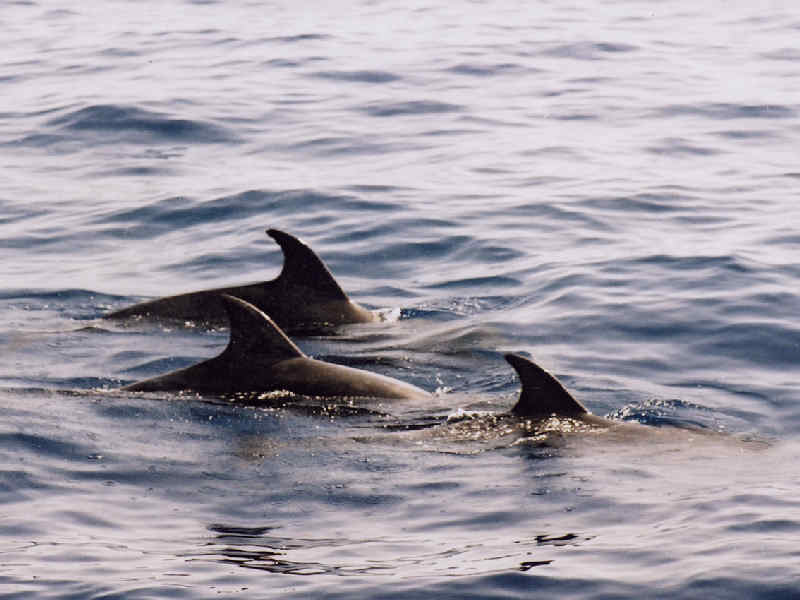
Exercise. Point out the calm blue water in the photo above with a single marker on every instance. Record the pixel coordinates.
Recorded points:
(609, 186)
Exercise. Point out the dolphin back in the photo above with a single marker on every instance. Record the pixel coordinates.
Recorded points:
(260, 358)
(304, 296)
(542, 394)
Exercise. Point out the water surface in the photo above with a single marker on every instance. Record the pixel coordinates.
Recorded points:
(609, 188)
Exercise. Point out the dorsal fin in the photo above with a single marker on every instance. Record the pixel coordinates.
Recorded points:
(302, 267)
(254, 333)
(542, 395)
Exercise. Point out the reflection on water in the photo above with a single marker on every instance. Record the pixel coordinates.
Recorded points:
(259, 548)
(255, 548)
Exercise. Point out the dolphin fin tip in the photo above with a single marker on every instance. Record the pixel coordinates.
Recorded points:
(253, 331)
(542, 394)
(303, 268)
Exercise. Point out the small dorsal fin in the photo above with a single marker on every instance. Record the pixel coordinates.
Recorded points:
(301, 266)
(542, 395)
(253, 333)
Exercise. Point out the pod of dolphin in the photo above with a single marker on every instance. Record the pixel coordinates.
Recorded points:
(305, 297)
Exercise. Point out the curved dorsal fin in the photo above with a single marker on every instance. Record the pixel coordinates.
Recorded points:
(542, 395)
(254, 333)
(304, 268)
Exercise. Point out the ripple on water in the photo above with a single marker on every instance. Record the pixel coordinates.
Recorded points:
(111, 123)
(365, 76)
(728, 111)
(181, 212)
(589, 50)
(409, 108)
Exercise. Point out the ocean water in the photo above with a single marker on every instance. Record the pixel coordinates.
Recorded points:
(609, 187)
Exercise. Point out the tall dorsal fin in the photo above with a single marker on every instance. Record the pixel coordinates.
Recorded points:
(301, 266)
(254, 333)
(542, 395)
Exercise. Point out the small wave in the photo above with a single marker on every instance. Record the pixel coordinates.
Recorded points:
(589, 50)
(428, 250)
(413, 107)
(16, 212)
(302, 37)
(119, 52)
(47, 446)
(64, 296)
(471, 283)
(554, 216)
(575, 117)
(725, 111)
(177, 212)
(787, 54)
(350, 146)
(283, 63)
(747, 134)
(767, 527)
(137, 172)
(58, 13)
(723, 264)
(681, 147)
(357, 76)
(645, 202)
(477, 70)
(12, 78)
(136, 125)
(44, 140)
(672, 413)
(364, 188)
(771, 345)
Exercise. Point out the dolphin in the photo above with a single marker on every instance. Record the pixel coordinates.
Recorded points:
(547, 416)
(304, 297)
(260, 358)
(544, 415)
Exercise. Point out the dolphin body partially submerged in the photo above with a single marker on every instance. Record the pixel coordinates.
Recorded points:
(542, 395)
(547, 420)
(545, 413)
(305, 296)
(260, 358)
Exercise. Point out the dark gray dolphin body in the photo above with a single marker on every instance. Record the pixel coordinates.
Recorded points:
(305, 296)
(260, 358)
